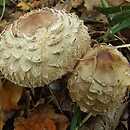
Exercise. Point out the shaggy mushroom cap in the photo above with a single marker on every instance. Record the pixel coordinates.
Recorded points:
(100, 80)
(42, 46)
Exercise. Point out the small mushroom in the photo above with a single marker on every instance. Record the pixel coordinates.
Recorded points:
(42, 46)
(100, 80)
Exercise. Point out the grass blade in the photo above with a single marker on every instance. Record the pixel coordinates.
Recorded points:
(112, 10)
(120, 26)
(104, 4)
(76, 119)
(4, 1)
(118, 18)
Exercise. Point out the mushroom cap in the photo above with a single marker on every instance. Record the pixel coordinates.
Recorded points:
(42, 46)
(100, 80)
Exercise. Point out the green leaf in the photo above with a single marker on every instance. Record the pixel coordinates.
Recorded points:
(104, 3)
(120, 26)
(76, 119)
(119, 17)
(112, 10)
(4, 1)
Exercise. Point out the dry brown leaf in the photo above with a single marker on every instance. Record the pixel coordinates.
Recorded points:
(36, 3)
(35, 123)
(45, 118)
(3, 23)
(9, 95)
(1, 119)
(90, 4)
(24, 6)
(116, 2)
(76, 3)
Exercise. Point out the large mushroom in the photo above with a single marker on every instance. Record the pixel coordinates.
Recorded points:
(100, 80)
(42, 46)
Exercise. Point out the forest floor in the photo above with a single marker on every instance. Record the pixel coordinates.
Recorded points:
(51, 107)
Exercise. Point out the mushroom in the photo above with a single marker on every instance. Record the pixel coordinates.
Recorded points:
(42, 46)
(100, 80)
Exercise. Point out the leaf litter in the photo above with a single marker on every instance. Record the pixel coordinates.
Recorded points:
(40, 115)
